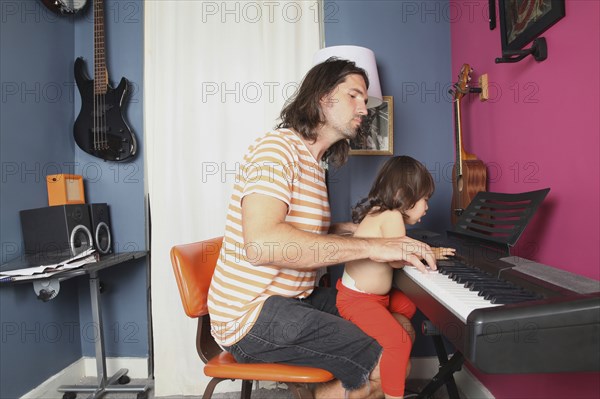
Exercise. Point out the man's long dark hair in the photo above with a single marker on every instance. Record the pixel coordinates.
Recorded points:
(303, 112)
(401, 182)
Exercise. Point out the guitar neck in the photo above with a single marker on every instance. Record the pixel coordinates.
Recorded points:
(100, 72)
(458, 137)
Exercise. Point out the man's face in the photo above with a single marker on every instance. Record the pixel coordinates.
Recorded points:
(345, 106)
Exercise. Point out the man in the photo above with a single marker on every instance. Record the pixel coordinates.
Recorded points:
(262, 300)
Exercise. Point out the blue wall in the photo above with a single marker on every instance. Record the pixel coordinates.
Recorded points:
(411, 42)
(121, 185)
(413, 60)
(38, 106)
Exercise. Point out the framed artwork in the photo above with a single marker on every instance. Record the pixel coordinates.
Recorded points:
(521, 21)
(376, 135)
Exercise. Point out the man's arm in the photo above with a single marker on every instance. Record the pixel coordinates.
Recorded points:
(343, 229)
(393, 226)
(269, 240)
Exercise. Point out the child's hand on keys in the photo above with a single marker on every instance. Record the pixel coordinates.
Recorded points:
(443, 253)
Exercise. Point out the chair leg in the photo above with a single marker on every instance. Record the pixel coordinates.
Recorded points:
(211, 387)
(246, 389)
(300, 391)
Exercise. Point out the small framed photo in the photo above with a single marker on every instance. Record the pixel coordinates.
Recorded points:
(376, 135)
(521, 21)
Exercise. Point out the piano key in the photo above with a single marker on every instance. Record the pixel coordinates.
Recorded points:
(455, 297)
(465, 279)
(505, 291)
(505, 300)
(475, 285)
(454, 278)
(512, 296)
(484, 284)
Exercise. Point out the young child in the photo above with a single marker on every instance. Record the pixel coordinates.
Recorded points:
(365, 295)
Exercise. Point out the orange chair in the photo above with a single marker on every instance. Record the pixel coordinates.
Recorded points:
(194, 265)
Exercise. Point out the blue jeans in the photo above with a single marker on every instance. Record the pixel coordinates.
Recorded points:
(309, 332)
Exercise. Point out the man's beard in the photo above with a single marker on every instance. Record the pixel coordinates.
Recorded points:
(361, 131)
(351, 132)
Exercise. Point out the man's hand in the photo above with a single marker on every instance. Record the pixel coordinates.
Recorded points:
(405, 250)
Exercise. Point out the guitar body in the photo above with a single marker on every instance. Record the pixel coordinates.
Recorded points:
(464, 188)
(100, 129)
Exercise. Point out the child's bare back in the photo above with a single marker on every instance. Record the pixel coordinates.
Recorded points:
(374, 277)
(369, 276)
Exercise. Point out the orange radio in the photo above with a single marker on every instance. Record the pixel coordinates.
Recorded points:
(65, 189)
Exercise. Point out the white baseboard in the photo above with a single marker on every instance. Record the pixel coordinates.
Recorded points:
(424, 368)
(137, 366)
(67, 376)
(86, 367)
(470, 386)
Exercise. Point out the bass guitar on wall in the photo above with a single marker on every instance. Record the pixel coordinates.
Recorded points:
(100, 129)
(469, 175)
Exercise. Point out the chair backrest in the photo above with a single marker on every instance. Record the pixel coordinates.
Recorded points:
(194, 265)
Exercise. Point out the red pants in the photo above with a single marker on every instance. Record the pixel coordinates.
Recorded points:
(373, 314)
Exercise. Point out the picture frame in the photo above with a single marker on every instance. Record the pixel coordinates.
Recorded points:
(376, 135)
(521, 21)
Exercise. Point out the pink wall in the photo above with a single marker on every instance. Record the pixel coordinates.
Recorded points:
(540, 129)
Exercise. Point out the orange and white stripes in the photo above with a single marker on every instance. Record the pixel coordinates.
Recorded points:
(277, 164)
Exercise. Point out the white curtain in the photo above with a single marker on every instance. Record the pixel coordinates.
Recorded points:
(216, 76)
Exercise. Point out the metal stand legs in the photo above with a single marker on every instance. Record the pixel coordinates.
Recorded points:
(112, 384)
(448, 367)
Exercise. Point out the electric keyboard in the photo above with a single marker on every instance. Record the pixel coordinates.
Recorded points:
(557, 332)
(503, 313)
(456, 299)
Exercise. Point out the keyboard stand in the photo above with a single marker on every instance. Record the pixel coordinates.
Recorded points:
(448, 367)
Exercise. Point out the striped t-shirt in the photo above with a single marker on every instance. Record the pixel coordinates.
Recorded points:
(277, 164)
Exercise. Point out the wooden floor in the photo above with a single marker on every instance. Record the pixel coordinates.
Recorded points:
(412, 387)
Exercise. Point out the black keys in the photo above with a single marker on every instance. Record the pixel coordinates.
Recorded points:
(488, 286)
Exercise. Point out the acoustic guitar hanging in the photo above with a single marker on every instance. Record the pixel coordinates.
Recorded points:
(469, 174)
(100, 129)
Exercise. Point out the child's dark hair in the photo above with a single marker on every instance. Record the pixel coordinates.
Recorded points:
(400, 184)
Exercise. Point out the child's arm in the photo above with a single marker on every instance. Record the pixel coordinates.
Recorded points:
(392, 224)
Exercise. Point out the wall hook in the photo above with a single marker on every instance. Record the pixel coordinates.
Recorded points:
(539, 51)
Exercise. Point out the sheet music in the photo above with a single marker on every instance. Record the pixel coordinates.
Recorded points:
(87, 256)
(39, 276)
